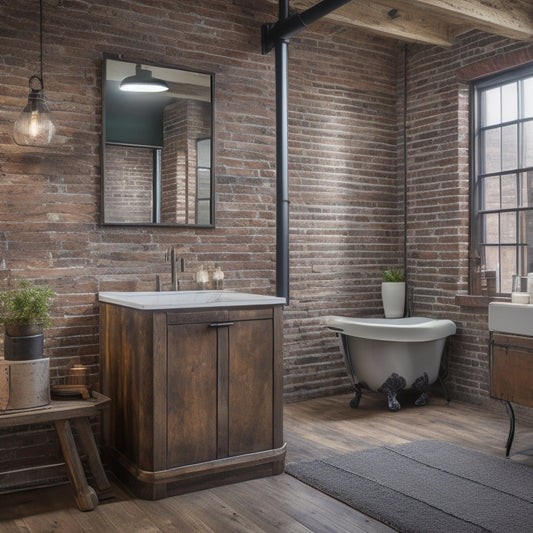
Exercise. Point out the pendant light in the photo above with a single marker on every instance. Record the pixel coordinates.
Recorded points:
(34, 126)
(143, 82)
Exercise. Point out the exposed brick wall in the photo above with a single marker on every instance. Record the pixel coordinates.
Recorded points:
(174, 166)
(184, 123)
(438, 197)
(344, 207)
(128, 184)
(345, 163)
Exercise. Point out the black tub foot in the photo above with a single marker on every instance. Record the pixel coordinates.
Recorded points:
(444, 389)
(354, 402)
(422, 385)
(391, 388)
(422, 400)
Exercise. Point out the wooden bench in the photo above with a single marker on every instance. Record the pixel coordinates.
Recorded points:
(63, 414)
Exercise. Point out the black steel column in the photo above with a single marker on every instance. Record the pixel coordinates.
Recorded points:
(277, 36)
(282, 161)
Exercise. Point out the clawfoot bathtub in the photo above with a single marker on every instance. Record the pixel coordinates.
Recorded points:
(391, 354)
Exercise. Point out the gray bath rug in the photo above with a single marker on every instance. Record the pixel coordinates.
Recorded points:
(428, 486)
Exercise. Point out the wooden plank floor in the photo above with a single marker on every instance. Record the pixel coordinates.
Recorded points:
(278, 504)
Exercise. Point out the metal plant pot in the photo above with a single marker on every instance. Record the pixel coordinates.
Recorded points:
(23, 344)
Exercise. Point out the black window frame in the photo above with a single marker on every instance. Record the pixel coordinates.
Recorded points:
(479, 178)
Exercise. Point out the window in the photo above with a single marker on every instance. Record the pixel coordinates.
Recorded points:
(502, 174)
(203, 181)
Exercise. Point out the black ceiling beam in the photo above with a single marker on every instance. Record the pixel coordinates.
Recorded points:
(284, 29)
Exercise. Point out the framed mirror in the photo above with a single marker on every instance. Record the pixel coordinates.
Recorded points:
(157, 145)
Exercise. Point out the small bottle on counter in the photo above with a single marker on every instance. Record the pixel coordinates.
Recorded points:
(218, 278)
(202, 277)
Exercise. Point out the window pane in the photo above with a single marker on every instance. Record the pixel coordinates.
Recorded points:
(491, 193)
(527, 91)
(509, 102)
(490, 151)
(490, 107)
(522, 228)
(508, 228)
(509, 192)
(204, 183)
(490, 228)
(529, 241)
(492, 262)
(204, 212)
(204, 153)
(509, 147)
(523, 265)
(508, 267)
(524, 199)
(527, 143)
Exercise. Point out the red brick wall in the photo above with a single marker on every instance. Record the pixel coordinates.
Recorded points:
(438, 197)
(344, 211)
(345, 179)
(184, 123)
(128, 183)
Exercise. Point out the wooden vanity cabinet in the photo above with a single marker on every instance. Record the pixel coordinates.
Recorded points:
(196, 396)
(512, 369)
(511, 373)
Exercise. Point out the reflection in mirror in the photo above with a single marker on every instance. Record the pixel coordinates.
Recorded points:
(157, 147)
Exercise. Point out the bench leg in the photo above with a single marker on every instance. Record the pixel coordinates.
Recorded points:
(85, 496)
(88, 446)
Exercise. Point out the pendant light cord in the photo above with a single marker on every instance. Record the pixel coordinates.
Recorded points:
(41, 39)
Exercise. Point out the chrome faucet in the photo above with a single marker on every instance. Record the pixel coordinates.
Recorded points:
(171, 255)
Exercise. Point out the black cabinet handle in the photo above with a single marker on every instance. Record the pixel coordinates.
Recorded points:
(221, 324)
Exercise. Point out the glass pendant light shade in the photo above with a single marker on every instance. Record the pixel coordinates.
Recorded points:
(143, 82)
(34, 126)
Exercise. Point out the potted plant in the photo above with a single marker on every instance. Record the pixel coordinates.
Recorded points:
(25, 312)
(393, 293)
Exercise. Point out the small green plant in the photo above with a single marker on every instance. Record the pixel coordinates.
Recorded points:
(393, 275)
(26, 304)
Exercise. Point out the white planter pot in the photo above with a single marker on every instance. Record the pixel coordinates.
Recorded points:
(393, 296)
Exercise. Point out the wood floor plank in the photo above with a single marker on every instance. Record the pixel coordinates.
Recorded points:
(14, 526)
(307, 510)
(126, 517)
(315, 428)
(208, 507)
(174, 515)
(61, 520)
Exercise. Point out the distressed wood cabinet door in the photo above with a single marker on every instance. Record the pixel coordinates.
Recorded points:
(192, 394)
(220, 384)
(512, 369)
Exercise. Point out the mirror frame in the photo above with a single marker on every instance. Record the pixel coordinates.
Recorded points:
(104, 142)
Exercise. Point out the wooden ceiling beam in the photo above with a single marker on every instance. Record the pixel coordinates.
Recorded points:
(509, 18)
(435, 22)
(379, 17)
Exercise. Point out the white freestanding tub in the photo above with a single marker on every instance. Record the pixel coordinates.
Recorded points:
(391, 354)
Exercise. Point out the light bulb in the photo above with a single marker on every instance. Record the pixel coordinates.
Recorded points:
(34, 126)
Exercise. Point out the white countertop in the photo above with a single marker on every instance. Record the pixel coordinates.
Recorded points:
(187, 299)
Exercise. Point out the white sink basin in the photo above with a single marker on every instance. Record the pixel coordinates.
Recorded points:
(511, 318)
(187, 299)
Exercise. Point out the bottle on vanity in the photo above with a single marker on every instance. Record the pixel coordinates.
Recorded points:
(218, 278)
